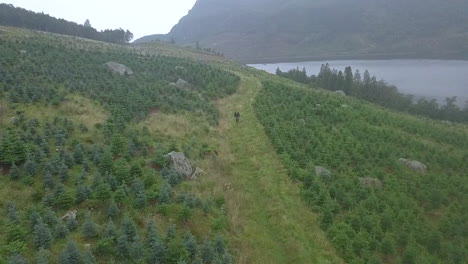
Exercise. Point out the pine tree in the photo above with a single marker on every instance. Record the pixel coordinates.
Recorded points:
(121, 171)
(164, 193)
(157, 252)
(136, 171)
(388, 245)
(41, 235)
(89, 228)
(70, 254)
(140, 200)
(49, 217)
(88, 257)
(61, 230)
(137, 251)
(113, 210)
(71, 223)
(106, 163)
(219, 245)
(78, 154)
(82, 193)
(15, 173)
(120, 195)
(103, 192)
(12, 148)
(207, 252)
(16, 259)
(30, 167)
(49, 181)
(123, 246)
(110, 230)
(176, 251)
(63, 172)
(171, 232)
(129, 228)
(42, 256)
(11, 212)
(190, 245)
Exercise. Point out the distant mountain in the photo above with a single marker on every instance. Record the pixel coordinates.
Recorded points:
(276, 30)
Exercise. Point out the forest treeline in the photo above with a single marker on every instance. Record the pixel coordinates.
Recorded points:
(20, 17)
(367, 87)
(373, 208)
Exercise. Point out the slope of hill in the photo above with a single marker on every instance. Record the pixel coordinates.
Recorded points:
(72, 138)
(375, 207)
(75, 136)
(276, 31)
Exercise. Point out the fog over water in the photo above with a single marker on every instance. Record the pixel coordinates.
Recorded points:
(423, 78)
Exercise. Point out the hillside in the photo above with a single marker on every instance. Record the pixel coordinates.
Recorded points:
(74, 135)
(389, 188)
(277, 31)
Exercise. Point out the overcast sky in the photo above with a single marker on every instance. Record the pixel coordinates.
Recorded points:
(142, 17)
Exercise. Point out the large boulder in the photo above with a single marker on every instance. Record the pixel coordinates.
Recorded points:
(323, 173)
(182, 84)
(181, 164)
(371, 182)
(119, 68)
(197, 173)
(414, 165)
(340, 93)
(70, 215)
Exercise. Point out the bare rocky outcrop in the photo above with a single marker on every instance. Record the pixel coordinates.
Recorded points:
(414, 165)
(180, 163)
(69, 215)
(371, 182)
(119, 68)
(323, 173)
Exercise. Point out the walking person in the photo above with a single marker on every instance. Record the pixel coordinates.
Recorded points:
(237, 116)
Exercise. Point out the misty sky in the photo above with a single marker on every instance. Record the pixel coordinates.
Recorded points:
(142, 17)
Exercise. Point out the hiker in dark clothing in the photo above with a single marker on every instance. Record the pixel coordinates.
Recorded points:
(237, 116)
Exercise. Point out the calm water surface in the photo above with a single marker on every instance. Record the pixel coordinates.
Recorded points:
(423, 78)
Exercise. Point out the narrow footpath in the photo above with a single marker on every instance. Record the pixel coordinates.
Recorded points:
(268, 220)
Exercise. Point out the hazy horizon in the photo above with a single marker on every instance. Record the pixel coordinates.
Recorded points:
(139, 16)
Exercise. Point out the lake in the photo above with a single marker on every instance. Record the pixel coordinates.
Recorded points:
(423, 78)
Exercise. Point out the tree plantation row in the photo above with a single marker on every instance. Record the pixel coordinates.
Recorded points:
(90, 184)
(373, 207)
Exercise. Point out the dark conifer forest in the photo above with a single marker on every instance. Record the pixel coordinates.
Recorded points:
(19, 17)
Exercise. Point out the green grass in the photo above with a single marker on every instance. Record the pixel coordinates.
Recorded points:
(267, 220)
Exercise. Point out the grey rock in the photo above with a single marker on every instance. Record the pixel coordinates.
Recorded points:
(182, 84)
(340, 93)
(69, 215)
(371, 182)
(414, 165)
(181, 164)
(323, 173)
(23, 52)
(119, 68)
(196, 174)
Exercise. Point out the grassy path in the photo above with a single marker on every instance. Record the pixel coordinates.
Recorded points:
(268, 221)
